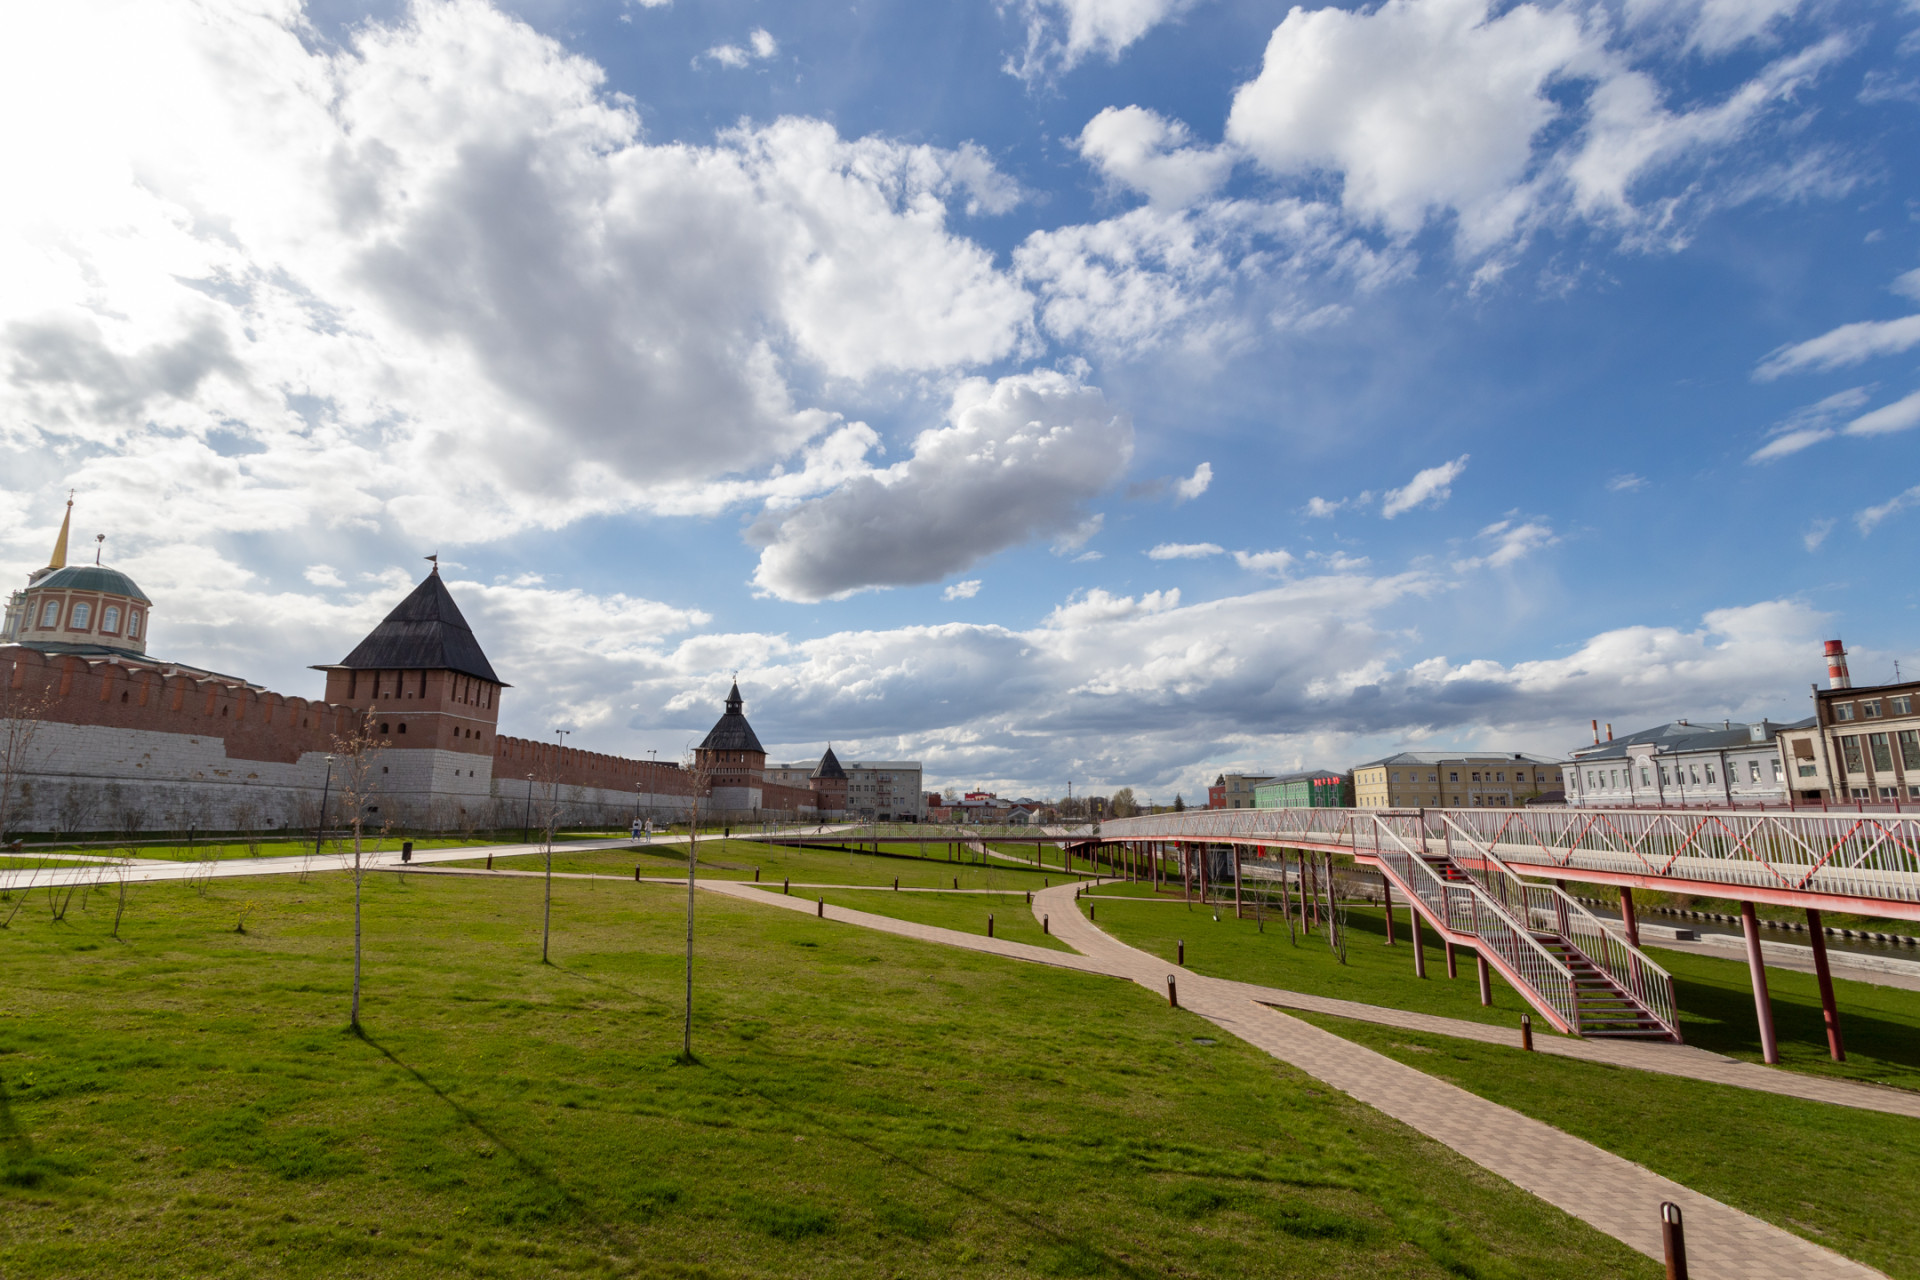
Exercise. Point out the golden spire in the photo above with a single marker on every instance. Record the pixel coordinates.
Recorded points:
(59, 560)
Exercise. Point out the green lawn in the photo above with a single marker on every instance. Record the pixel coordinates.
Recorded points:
(966, 913)
(737, 859)
(1841, 1177)
(1881, 1024)
(205, 850)
(186, 1102)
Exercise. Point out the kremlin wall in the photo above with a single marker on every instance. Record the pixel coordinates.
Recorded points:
(123, 741)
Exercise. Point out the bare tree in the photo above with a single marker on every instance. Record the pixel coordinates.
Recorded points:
(699, 780)
(354, 757)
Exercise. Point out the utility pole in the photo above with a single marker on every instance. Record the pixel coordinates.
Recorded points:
(546, 920)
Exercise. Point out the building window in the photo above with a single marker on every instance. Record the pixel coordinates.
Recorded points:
(1843, 711)
(1882, 752)
(1776, 771)
(1709, 773)
(1665, 780)
(1870, 710)
(50, 616)
(1807, 770)
(110, 619)
(1476, 777)
(1454, 777)
(1645, 779)
(1693, 773)
(1889, 793)
(1499, 777)
(1850, 753)
(1902, 705)
(133, 625)
(81, 615)
(1753, 771)
(1910, 748)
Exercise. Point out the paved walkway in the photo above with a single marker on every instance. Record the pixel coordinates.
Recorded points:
(1612, 1194)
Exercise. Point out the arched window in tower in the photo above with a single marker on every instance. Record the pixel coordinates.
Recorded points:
(110, 619)
(50, 616)
(133, 625)
(82, 615)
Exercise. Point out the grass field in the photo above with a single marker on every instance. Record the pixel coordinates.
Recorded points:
(187, 1102)
(1838, 1176)
(736, 860)
(1881, 1024)
(204, 850)
(966, 913)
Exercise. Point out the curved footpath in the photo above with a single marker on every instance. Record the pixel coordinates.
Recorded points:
(1614, 1195)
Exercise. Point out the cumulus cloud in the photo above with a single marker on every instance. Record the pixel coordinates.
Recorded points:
(1019, 459)
(962, 590)
(1063, 33)
(324, 575)
(1430, 487)
(1143, 151)
(440, 280)
(1319, 508)
(1711, 26)
(1194, 485)
(1816, 533)
(1185, 551)
(759, 47)
(1276, 561)
(1510, 541)
(1901, 415)
(1443, 107)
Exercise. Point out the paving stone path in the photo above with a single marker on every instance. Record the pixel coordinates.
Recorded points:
(1612, 1194)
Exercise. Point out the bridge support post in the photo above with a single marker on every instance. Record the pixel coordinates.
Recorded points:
(1419, 947)
(1627, 918)
(1235, 850)
(1386, 897)
(1486, 978)
(1757, 967)
(1453, 970)
(1829, 1010)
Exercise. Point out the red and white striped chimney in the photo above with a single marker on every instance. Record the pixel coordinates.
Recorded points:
(1837, 677)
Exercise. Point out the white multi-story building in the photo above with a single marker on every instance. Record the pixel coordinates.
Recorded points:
(1683, 763)
(886, 790)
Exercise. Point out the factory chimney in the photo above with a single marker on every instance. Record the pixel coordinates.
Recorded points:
(1609, 731)
(1837, 677)
(1596, 731)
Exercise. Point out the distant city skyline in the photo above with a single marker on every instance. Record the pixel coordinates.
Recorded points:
(1124, 392)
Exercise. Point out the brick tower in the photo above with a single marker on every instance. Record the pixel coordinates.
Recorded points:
(733, 760)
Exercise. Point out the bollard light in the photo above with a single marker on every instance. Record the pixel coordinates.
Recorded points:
(1181, 954)
(1673, 1238)
(1526, 1032)
(1173, 994)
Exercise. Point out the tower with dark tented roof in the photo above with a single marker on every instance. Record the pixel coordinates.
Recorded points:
(434, 696)
(829, 784)
(732, 759)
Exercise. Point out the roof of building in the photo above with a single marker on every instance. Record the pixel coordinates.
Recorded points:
(1463, 757)
(91, 577)
(1680, 735)
(1303, 775)
(425, 632)
(829, 766)
(890, 765)
(732, 732)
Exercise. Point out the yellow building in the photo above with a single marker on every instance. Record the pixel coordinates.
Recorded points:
(1454, 779)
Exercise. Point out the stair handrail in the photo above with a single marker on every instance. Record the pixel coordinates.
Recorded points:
(1542, 978)
(1625, 965)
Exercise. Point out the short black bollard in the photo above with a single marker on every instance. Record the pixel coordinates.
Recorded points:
(786, 884)
(406, 851)
(756, 875)
(1090, 911)
(896, 884)
(820, 909)
(1173, 994)
(1526, 1032)
(1046, 924)
(956, 882)
(989, 924)
(1674, 1239)
(489, 862)
(1029, 897)
(636, 875)
(1181, 954)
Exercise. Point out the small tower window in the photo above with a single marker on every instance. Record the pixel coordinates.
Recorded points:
(50, 616)
(403, 726)
(82, 615)
(110, 619)
(133, 626)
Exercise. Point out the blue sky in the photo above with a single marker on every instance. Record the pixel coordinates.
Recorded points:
(1107, 390)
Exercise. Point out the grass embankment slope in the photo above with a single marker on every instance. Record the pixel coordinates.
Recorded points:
(738, 859)
(187, 1102)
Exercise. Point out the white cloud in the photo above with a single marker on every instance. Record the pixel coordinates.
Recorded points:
(324, 575)
(1901, 415)
(1429, 107)
(962, 590)
(1063, 33)
(760, 46)
(1511, 542)
(1872, 517)
(1849, 344)
(1711, 26)
(1194, 485)
(1019, 459)
(1185, 551)
(1907, 285)
(1324, 508)
(1808, 425)
(1626, 482)
(1815, 534)
(439, 281)
(1275, 562)
(1430, 487)
(1143, 151)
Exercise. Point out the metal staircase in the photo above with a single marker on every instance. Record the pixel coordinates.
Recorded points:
(1583, 978)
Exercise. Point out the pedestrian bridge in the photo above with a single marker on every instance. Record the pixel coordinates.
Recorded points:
(1494, 880)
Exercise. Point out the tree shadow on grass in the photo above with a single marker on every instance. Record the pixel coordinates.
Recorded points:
(1721, 1018)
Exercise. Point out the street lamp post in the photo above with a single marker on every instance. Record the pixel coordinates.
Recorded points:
(526, 813)
(320, 833)
(546, 918)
